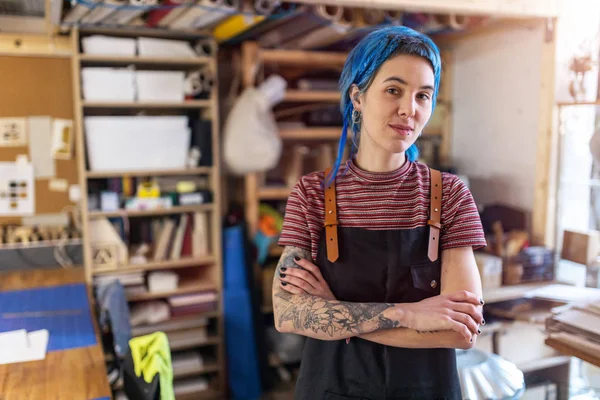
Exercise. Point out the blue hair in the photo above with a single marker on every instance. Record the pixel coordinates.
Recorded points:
(364, 61)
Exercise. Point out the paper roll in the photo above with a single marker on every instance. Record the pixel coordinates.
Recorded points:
(124, 15)
(330, 13)
(349, 17)
(392, 16)
(206, 13)
(204, 47)
(98, 14)
(370, 17)
(167, 7)
(453, 21)
(79, 11)
(176, 13)
(265, 7)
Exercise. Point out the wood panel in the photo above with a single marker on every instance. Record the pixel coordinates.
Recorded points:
(38, 86)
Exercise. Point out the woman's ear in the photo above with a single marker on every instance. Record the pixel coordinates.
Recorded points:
(355, 97)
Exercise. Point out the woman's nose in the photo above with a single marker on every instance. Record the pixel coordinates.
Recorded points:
(406, 107)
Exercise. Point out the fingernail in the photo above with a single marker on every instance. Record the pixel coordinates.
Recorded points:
(483, 322)
(296, 258)
(282, 275)
(283, 268)
(283, 283)
(479, 331)
(471, 340)
(481, 302)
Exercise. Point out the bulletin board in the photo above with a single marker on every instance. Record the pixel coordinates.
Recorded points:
(39, 86)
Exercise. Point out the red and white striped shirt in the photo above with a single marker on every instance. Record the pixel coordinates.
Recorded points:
(381, 201)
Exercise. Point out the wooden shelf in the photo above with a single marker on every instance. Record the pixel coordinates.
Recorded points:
(312, 95)
(157, 172)
(274, 193)
(183, 290)
(577, 103)
(116, 60)
(317, 133)
(198, 342)
(186, 372)
(511, 292)
(148, 105)
(152, 266)
(573, 352)
(148, 213)
(199, 394)
(300, 58)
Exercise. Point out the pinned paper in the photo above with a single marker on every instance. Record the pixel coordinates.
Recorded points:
(58, 185)
(18, 194)
(21, 346)
(74, 193)
(13, 132)
(62, 139)
(40, 145)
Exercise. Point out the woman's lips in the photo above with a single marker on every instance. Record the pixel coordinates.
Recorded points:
(403, 130)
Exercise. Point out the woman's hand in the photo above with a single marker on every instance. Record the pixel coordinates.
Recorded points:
(459, 311)
(306, 278)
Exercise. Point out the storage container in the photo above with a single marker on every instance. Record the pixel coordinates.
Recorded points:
(108, 84)
(109, 45)
(152, 47)
(160, 85)
(137, 142)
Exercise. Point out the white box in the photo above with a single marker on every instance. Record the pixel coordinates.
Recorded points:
(108, 84)
(137, 142)
(109, 45)
(160, 85)
(151, 47)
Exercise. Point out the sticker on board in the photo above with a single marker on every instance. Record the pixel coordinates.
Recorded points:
(17, 189)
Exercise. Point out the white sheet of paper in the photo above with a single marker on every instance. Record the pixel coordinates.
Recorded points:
(19, 198)
(40, 143)
(14, 350)
(13, 132)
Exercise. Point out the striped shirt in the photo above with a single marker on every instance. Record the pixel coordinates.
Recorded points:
(381, 201)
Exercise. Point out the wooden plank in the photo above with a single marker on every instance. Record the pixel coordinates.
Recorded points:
(148, 213)
(300, 58)
(577, 103)
(147, 105)
(274, 193)
(161, 172)
(27, 45)
(158, 265)
(563, 348)
(312, 95)
(511, 292)
(497, 8)
(543, 221)
(159, 61)
(197, 287)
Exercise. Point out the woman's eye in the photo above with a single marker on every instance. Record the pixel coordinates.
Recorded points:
(393, 91)
(423, 96)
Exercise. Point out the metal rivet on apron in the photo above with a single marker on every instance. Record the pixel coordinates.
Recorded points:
(436, 210)
(433, 283)
(330, 211)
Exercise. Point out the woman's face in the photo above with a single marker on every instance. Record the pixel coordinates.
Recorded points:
(397, 104)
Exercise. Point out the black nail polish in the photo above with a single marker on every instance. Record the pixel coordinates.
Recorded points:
(481, 302)
(483, 322)
(479, 331)
(283, 268)
(471, 340)
(296, 258)
(282, 275)
(283, 283)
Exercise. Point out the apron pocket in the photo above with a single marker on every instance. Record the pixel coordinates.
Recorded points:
(333, 396)
(427, 277)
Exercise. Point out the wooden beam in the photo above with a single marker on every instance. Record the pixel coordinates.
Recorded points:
(543, 219)
(34, 45)
(486, 27)
(498, 8)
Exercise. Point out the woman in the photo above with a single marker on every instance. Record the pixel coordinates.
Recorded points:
(361, 274)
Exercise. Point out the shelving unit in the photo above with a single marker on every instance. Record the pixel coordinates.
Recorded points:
(204, 272)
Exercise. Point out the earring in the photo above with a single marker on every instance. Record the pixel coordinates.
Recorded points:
(356, 117)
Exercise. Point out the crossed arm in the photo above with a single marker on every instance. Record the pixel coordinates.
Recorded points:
(450, 320)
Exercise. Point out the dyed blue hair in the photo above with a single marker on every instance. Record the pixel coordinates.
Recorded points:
(362, 65)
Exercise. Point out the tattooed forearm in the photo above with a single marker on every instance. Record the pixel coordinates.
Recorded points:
(325, 319)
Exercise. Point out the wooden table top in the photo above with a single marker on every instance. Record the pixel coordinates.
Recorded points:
(565, 349)
(65, 374)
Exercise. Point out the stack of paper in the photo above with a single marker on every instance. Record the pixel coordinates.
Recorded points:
(20, 346)
(578, 327)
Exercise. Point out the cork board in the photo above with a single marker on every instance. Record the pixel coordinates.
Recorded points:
(34, 86)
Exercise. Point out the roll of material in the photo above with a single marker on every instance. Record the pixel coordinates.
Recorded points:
(198, 84)
(453, 21)
(370, 17)
(176, 13)
(392, 16)
(204, 47)
(327, 34)
(327, 12)
(99, 14)
(80, 11)
(265, 7)
(206, 13)
(154, 17)
(124, 15)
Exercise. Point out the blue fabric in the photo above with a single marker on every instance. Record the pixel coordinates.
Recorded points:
(63, 310)
(234, 263)
(242, 358)
(114, 308)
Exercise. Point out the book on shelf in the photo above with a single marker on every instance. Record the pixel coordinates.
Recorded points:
(169, 325)
(182, 237)
(192, 298)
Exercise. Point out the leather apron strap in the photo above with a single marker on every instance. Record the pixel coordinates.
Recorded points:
(435, 214)
(331, 221)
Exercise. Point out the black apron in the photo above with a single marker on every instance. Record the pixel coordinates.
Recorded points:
(384, 266)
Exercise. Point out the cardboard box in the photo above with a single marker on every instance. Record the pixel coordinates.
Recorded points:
(580, 247)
